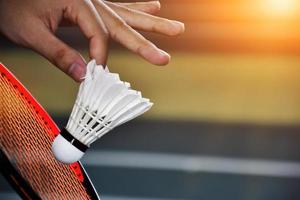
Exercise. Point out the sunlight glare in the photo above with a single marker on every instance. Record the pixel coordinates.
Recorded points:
(280, 7)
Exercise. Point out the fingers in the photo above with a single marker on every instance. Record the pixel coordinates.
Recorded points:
(85, 15)
(147, 22)
(150, 7)
(57, 52)
(128, 37)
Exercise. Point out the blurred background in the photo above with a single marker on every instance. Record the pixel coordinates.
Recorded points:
(226, 117)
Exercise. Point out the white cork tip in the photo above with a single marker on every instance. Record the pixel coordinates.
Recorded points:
(64, 151)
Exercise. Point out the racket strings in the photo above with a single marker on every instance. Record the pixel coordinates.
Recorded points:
(26, 140)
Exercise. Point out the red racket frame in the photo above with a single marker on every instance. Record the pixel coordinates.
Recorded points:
(76, 167)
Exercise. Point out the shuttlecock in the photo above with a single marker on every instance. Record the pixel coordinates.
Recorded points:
(103, 102)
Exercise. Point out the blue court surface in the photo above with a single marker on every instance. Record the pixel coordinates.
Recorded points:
(173, 160)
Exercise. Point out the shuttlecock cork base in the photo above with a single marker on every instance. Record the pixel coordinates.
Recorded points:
(103, 102)
(67, 148)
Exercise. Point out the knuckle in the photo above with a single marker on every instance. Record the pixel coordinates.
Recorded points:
(128, 11)
(144, 44)
(117, 28)
(59, 55)
(120, 24)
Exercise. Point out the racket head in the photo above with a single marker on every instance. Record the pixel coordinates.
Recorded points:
(26, 136)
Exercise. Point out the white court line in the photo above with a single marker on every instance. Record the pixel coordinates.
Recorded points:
(132, 198)
(209, 164)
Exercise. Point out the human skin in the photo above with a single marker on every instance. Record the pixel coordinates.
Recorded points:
(33, 23)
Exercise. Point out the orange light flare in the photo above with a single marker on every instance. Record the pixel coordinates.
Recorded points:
(282, 9)
(280, 21)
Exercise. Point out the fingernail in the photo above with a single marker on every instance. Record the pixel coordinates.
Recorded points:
(164, 54)
(179, 25)
(156, 3)
(77, 71)
(164, 58)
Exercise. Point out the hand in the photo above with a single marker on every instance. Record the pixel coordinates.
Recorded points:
(33, 23)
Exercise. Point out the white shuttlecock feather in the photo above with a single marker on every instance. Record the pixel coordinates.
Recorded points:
(103, 102)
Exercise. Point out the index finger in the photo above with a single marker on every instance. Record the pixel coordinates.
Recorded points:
(85, 15)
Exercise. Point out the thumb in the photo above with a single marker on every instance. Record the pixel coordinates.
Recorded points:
(58, 53)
